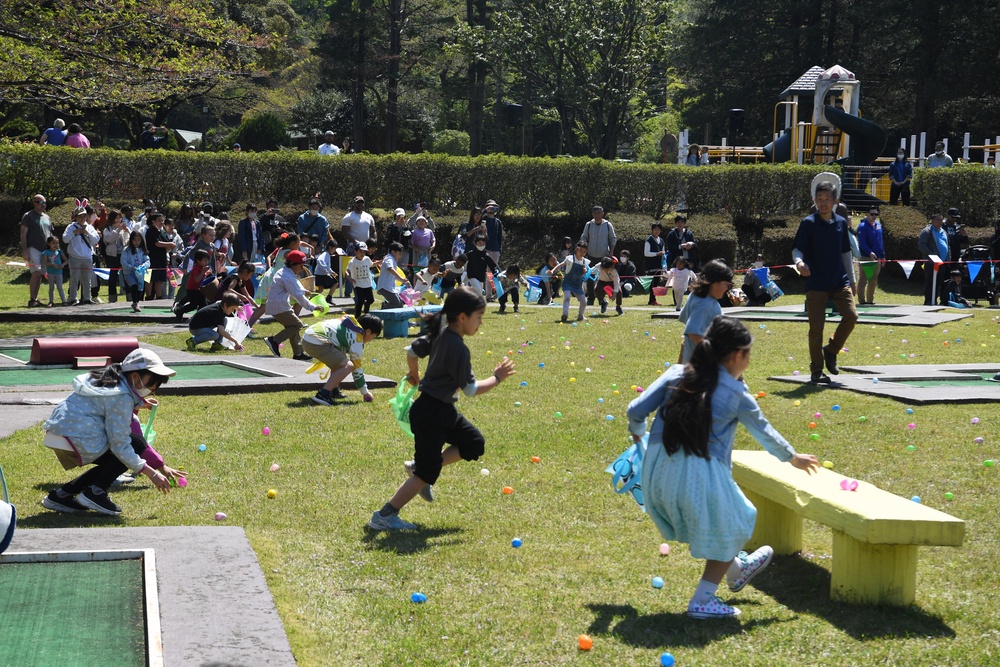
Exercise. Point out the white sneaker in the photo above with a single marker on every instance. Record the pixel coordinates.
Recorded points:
(751, 565)
(427, 493)
(714, 608)
(392, 522)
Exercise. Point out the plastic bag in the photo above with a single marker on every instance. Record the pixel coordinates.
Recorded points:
(626, 471)
(401, 403)
(532, 294)
(773, 290)
(458, 247)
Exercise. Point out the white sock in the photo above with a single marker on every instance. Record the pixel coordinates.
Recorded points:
(735, 570)
(704, 592)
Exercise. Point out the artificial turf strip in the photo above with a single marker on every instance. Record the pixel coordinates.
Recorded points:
(72, 613)
(14, 377)
(19, 353)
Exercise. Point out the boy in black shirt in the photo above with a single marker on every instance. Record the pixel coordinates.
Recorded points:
(209, 324)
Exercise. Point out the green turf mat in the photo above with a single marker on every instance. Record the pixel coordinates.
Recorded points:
(11, 377)
(981, 380)
(145, 309)
(86, 613)
(20, 353)
(784, 314)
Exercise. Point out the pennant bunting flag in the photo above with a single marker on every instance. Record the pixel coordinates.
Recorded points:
(974, 268)
(869, 269)
(907, 267)
(761, 274)
(534, 281)
(645, 282)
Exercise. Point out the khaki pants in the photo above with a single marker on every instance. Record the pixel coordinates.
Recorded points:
(292, 331)
(816, 309)
(866, 288)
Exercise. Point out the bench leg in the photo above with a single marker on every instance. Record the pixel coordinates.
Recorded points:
(777, 526)
(873, 573)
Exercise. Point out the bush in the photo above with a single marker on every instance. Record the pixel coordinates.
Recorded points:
(974, 189)
(261, 132)
(20, 129)
(451, 142)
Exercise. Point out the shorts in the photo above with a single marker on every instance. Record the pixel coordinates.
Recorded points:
(325, 282)
(435, 423)
(35, 263)
(327, 353)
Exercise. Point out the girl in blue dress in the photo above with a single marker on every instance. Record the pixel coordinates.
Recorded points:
(687, 479)
(715, 279)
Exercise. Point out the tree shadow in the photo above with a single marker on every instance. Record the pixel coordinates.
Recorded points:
(404, 542)
(804, 587)
(668, 628)
(50, 519)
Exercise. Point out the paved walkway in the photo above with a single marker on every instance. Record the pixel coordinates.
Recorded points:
(891, 314)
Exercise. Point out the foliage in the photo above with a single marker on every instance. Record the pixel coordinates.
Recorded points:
(20, 129)
(451, 142)
(261, 132)
(321, 111)
(973, 189)
(650, 133)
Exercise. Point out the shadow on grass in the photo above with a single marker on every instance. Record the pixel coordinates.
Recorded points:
(804, 587)
(667, 629)
(409, 541)
(49, 519)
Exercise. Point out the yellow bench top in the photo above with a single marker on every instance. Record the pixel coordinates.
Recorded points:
(868, 515)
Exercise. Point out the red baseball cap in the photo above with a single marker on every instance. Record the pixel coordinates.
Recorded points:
(295, 257)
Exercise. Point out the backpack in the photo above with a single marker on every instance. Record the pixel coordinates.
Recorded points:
(626, 471)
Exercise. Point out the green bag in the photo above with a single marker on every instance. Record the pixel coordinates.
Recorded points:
(401, 403)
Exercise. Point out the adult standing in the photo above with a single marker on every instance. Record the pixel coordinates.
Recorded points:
(205, 219)
(358, 226)
(80, 238)
(158, 245)
(900, 175)
(115, 237)
(494, 230)
(599, 235)
(423, 210)
(329, 146)
(872, 255)
(693, 158)
(250, 237)
(313, 223)
(956, 237)
(348, 148)
(55, 135)
(933, 240)
(153, 137)
(272, 224)
(653, 251)
(680, 243)
(822, 254)
(36, 228)
(75, 138)
(940, 158)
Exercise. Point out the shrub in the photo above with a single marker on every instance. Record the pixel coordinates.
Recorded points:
(20, 129)
(974, 189)
(261, 132)
(451, 142)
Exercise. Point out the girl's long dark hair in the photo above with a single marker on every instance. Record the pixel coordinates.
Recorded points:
(460, 300)
(713, 272)
(687, 414)
(111, 375)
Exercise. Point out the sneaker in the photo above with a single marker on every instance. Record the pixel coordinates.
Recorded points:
(302, 357)
(252, 335)
(272, 346)
(72, 302)
(124, 478)
(604, 307)
(515, 309)
(427, 493)
(618, 309)
(86, 302)
(654, 303)
(191, 345)
(503, 308)
(392, 522)
(98, 500)
(714, 608)
(564, 318)
(216, 347)
(136, 308)
(58, 503)
(819, 377)
(751, 565)
(579, 318)
(323, 397)
(830, 358)
(96, 299)
(337, 395)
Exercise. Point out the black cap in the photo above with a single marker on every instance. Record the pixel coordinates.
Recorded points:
(954, 212)
(956, 272)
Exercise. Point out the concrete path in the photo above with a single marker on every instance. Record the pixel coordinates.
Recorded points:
(890, 315)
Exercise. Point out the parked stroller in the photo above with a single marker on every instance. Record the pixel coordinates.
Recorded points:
(986, 285)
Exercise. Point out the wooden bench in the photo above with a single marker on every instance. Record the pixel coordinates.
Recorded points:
(396, 320)
(875, 533)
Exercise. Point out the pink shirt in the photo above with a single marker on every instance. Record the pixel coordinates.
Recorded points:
(78, 140)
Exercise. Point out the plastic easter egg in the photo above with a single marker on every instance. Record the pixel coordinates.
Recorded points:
(988, 463)
(507, 490)
(616, 393)
(664, 549)
(949, 495)
(517, 404)
(585, 642)
(915, 499)
(275, 467)
(523, 383)
(266, 430)
(541, 365)
(814, 436)
(516, 543)
(828, 465)
(862, 419)
(484, 472)
(657, 582)
(272, 494)
(536, 459)
(911, 448)
(600, 400)
(220, 516)
(182, 482)
(909, 411)
(558, 415)
(667, 659)
(836, 408)
(911, 426)
(797, 403)
(418, 598)
(975, 420)
(572, 379)
(202, 448)
(978, 441)
(795, 372)
(818, 415)
(874, 380)
(610, 418)
(812, 424)
(761, 394)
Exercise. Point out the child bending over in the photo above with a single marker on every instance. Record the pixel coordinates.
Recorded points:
(209, 324)
(512, 282)
(608, 280)
(340, 344)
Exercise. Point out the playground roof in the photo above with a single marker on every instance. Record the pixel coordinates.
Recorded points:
(805, 83)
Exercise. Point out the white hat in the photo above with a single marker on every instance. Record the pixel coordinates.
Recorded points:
(146, 360)
(399, 212)
(362, 246)
(826, 177)
(8, 519)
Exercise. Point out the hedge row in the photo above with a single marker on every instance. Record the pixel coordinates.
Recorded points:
(974, 189)
(540, 187)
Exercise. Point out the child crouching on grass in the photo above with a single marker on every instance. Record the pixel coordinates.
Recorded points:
(340, 344)
(433, 417)
(209, 324)
(687, 479)
(94, 425)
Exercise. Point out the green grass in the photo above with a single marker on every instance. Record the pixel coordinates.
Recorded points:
(588, 556)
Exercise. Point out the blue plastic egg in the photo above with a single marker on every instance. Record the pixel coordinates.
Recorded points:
(516, 543)
(657, 582)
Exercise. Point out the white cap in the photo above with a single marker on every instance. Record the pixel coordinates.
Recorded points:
(399, 212)
(362, 246)
(146, 360)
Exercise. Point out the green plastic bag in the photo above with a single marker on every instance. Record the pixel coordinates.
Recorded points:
(401, 403)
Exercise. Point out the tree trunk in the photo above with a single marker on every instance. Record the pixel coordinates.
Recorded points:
(358, 96)
(476, 16)
(392, 83)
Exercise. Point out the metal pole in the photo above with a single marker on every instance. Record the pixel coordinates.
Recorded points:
(923, 148)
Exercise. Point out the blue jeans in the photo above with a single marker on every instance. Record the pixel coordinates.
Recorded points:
(206, 335)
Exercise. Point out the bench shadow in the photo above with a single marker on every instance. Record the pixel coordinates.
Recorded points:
(804, 587)
(409, 541)
(667, 629)
(60, 520)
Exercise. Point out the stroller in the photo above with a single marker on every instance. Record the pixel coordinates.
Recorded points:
(986, 285)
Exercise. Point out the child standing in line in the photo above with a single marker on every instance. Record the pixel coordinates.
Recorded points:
(94, 425)
(681, 276)
(608, 277)
(135, 263)
(687, 479)
(433, 417)
(389, 273)
(703, 305)
(512, 282)
(285, 285)
(52, 258)
(576, 267)
(326, 277)
(209, 324)
(453, 273)
(359, 274)
(340, 344)
(478, 262)
(223, 246)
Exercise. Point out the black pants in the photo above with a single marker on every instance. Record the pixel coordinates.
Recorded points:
(657, 281)
(135, 292)
(594, 261)
(896, 190)
(115, 266)
(193, 300)
(514, 296)
(363, 300)
(106, 469)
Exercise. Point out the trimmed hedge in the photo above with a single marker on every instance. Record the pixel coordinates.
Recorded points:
(972, 188)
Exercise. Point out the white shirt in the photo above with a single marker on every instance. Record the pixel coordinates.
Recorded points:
(323, 267)
(77, 244)
(358, 226)
(682, 278)
(285, 284)
(360, 271)
(422, 281)
(328, 149)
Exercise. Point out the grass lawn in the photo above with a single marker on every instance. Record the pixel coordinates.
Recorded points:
(588, 555)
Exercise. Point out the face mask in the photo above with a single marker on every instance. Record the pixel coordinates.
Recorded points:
(758, 265)
(252, 216)
(900, 156)
(142, 391)
(313, 213)
(480, 247)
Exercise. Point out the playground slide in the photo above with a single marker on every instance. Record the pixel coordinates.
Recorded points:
(780, 148)
(867, 139)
